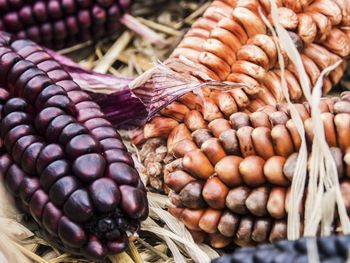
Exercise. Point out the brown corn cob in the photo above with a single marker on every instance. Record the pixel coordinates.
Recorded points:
(231, 42)
(231, 35)
(61, 158)
(62, 23)
(234, 183)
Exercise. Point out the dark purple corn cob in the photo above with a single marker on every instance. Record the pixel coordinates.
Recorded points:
(333, 249)
(61, 158)
(62, 23)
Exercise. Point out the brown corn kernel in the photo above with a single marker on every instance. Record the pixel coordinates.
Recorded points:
(342, 125)
(215, 192)
(260, 119)
(210, 220)
(273, 171)
(329, 129)
(159, 127)
(261, 230)
(245, 141)
(175, 110)
(275, 204)
(262, 141)
(197, 164)
(289, 166)
(213, 150)
(201, 135)
(191, 218)
(228, 224)
(227, 169)
(190, 195)
(257, 201)
(282, 141)
(181, 148)
(239, 120)
(194, 120)
(218, 126)
(179, 133)
(229, 141)
(235, 199)
(278, 231)
(219, 241)
(251, 169)
(177, 180)
(244, 233)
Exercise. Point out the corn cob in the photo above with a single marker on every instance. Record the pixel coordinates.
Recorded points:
(231, 42)
(61, 159)
(228, 36)
(328, 249)
(231, 179)
(62, 23)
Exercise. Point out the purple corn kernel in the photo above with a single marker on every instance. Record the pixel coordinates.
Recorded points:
(56, 126)
(38, 57)
(47, 93)
(78, 96)
(53, 172)
(39, 11)
(54, 9)
(23, 80)
(16, 133)
(87, 114)
(70, 131)
(62, 189)
(105, 194)
(95, 249)
(58, 75)
(112, 143)
(29, 157)
(5, 163)
(78, 207)
(16, 71)
(48, 65)
(68, 6)
(81, 144)
(25, 15)
(28, 187)
(89, 167)
(84, 19)
(14, 178)
(59, 29)
(122, 173)
(103, 133)
(37, 203)
(34, 86)
(71, 233)
(87, 105)
(44, 118)
(34, 34)
(68, 86)
(16, 104)
(72, 25)
(7, 61)
(12, 120)
(51, 218)
(119, 244)
(96, 122)
(60, 101)
(134, 202)
(20, 146)
(116, 155)
(46, 31)
(49, 154)
(12, 22)
(99, 15)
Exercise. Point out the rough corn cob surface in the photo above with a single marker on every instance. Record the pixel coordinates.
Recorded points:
(230, 181)
(226, 162)
(328, 249)
(60, 158)
(62, 23)
(231, 34)
(231, 42)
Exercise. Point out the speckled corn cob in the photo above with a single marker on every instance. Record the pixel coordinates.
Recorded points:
(230, 42)
(328, 249)
(61, 159)
(61, 23)
(231, 177)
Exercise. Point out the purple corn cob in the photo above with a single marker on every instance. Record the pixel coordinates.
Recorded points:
(62, 23)
(61, 158)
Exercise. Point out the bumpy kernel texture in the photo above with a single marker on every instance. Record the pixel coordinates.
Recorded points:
(62, 23)
(58, 166)
(227, 157)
